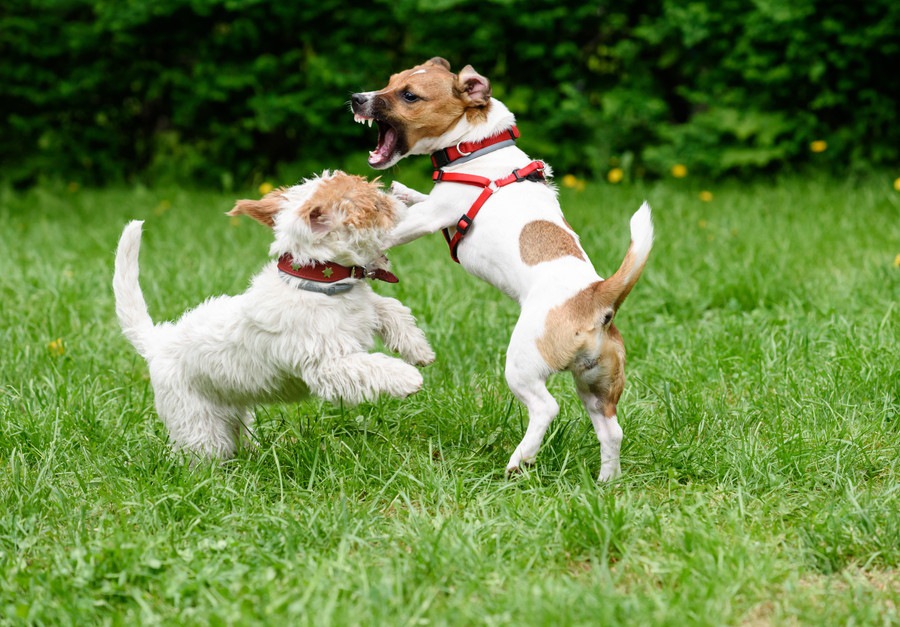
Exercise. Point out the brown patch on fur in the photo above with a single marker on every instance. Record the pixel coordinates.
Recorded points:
(570, 329)
(443, 98)
(262, 210)
(361, 203)
(543, 240)
(579, 336)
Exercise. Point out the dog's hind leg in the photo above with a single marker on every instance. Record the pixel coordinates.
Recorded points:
(609, 433)
(600, 385)
(244, 434)
(198, 425)
(526, 375)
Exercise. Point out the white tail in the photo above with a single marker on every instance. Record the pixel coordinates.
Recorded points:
(614, 290)
(131, 308)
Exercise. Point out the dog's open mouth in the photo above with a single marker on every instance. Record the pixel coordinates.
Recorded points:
(387, 141)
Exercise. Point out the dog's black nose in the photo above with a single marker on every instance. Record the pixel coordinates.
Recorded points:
(359, 99)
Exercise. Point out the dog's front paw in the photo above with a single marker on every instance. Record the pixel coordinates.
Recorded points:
(404, 380)
(419, 353)
(406, 195)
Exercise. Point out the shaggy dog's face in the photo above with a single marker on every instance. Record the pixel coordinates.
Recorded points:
(345, 215)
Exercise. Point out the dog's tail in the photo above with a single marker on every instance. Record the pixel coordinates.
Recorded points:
(613, 291)
(131, 308)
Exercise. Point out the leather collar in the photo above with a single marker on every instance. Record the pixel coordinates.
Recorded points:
(330, 272)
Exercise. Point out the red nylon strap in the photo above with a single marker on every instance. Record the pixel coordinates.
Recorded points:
(330, 272)
(465, 221)
(441, 158)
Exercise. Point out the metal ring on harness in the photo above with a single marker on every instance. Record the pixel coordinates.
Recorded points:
(459, 150)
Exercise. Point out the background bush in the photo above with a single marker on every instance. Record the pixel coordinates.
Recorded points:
(226, 92)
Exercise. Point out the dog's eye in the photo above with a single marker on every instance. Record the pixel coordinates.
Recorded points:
(408, 96)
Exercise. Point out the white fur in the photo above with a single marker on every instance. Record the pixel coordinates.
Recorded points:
(274, 342)
(491, 252)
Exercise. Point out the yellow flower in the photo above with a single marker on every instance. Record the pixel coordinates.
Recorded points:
(706, 196)
(569, 180)
(265, 188)
(56, 347)
(897, 261)
(162, 207)
(897, 184)
(615, 175)
(818, 146)
(679, 170)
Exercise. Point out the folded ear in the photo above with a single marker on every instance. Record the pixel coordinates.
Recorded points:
(440, 61)
(317, 217)
(474, 88)
(262, 210)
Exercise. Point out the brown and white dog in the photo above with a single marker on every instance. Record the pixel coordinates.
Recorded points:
(520, 242)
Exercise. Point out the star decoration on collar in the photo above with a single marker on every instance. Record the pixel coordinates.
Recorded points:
(327, 272)
(295, 266)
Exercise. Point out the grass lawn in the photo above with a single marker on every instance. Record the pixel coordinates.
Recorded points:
(761, 456)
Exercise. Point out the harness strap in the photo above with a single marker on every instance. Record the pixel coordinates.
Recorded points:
(534, 171)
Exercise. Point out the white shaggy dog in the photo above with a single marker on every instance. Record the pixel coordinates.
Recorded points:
(305, 325)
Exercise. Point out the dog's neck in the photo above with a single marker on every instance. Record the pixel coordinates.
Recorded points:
(328, 277)
(359, 252)
(499, 118)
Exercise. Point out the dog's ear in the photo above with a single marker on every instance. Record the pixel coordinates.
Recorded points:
(474, 88)
(439, 61)
(317, 216)
(262, 210)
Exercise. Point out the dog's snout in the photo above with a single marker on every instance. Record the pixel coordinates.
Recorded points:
(359, 99)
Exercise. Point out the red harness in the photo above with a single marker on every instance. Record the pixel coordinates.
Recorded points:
(534, 171)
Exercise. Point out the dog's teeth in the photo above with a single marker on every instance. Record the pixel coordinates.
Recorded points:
(370, 120)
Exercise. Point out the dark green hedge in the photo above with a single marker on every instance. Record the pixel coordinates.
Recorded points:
(223, 91)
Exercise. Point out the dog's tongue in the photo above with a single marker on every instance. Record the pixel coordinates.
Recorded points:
(387, 140)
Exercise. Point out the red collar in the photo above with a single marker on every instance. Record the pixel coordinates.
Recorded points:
(327, 272)
(441, 158)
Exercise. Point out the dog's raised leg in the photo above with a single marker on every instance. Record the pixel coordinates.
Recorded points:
(362, 377)
(397, 327)
(407, 195)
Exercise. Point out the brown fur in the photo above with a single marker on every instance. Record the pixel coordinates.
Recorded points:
(363, 204)
(571, 328)
(607, 387)
(579, 336)
(262, 210)
(444, 98)
(543, 240)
